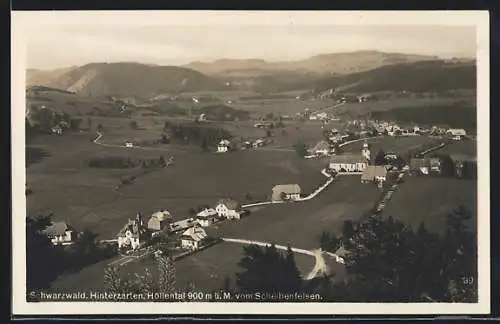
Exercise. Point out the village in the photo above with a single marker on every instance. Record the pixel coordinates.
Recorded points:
(142, 236)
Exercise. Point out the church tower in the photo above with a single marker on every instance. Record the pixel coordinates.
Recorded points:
(365, 152)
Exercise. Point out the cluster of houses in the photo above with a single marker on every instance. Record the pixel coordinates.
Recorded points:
(462, 165)
(360, 164)
(136, 232)
(393, 129)
(225, 145)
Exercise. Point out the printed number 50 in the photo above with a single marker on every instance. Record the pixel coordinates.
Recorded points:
(468, 280)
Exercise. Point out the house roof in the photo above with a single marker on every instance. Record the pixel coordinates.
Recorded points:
(321, 145)
(195, 233)
(347, 158)
(57, 228)
(373, 171)
(457, 131)
(207, 212)
(287, 188)
(229, 203)
(161, 215)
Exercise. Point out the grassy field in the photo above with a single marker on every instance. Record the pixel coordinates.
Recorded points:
(462, 147)
(299, 224)
(393, 144)
(430, 199)
(84, 196)
(357, 109)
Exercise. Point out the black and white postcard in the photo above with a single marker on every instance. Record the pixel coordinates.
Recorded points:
(218, 162)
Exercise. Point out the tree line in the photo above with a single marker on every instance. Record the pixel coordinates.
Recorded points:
(193, 133)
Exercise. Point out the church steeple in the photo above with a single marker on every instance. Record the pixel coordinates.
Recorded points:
(365, 152)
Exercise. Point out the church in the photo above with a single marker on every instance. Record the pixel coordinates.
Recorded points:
(351, 162)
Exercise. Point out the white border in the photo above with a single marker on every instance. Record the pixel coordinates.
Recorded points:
(23, 22)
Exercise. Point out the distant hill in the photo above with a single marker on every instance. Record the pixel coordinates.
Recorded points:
(431, 76)
(341, 63)
(123, 80)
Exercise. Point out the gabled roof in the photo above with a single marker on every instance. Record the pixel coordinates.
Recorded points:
(161, 215)
(57, 228)
(373, 171)
(195, 233)
(207, 212)
(287, 188)
(321, 145)
(347, 158)
(229, 203)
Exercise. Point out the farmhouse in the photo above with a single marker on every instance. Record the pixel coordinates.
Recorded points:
(374, 173)
(60, 233)
(321, 148)
(348, 163)
(457, 133)
(193, 238)
(224, 146)
(159, 221)
(133, 234)
(57, 130)
(206, 217)
(228, 208)
(286, 192)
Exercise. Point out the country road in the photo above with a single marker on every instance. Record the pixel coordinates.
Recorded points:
(320, 268)
(100, 135)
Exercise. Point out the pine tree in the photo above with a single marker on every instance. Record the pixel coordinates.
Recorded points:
(166, 274)
(293, 280)
(380, 158)
(227, 284)
(113, 280)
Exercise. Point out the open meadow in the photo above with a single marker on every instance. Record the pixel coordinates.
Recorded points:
(297, 224)
(398, 145)
(430, 199)
(65, 184)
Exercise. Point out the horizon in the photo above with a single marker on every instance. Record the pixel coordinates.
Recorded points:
(61, 44)
(472, 58)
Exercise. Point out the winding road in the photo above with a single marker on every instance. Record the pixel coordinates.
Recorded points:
(319, 269)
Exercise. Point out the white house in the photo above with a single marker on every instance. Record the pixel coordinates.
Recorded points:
(223, 146)
(133, 234)
(228, 208)
(321, 148)
(457, 134)
(206, 217)
(286, 191)
(60, 233)
(193, 238)
(57, 130)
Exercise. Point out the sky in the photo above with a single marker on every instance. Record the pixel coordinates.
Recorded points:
(54, 46)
